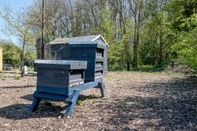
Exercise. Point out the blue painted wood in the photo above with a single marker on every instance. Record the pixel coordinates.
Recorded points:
(35, 104)
(102, 88)
(71, 98)
(56, 76)
(54, 90)
(91, 51)
(72, 104)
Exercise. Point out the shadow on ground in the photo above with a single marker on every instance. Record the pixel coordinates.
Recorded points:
(46, 109)
(170, 106)
(25, 86)
(21, 111)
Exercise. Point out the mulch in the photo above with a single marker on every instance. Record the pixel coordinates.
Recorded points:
(135, 101)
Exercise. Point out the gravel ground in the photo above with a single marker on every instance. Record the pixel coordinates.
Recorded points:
(136, 101)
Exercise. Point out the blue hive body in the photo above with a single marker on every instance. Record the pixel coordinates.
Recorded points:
(58, 76)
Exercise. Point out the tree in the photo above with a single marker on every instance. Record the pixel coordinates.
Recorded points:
(11, 53)
(186, 44)
(16, 26)
(107, 30)
(182, 15)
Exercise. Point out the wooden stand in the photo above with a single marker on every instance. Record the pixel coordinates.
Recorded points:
(71, 99)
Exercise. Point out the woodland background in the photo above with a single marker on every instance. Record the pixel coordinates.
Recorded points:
(139, 32)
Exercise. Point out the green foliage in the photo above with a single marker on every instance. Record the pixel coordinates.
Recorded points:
(79, 102)
(105, 98)
(11, 53)
(3, 78)
(186, 44)
(47, 103)
(106, 28)
(161, 31)
(151, 105)
(30, 56)
(17, 77)
(1, 74)
(150, 68)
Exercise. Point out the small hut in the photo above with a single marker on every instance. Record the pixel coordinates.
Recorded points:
(1, 59)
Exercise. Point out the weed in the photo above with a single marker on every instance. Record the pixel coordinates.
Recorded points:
(3, 78)
(150, 105)
(17, 77)
(1, 74)
(41, 108)
(93, 101)
(126, 100)
(86, 99)
(149, 124)
(47, 103)
(105, 98)
(120, 106)
(79, 102)
(93, 96)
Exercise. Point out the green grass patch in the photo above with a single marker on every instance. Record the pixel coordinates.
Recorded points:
(17, 77)
(3, 78)
(151, 105)
(47, 103)
(126, 100)
(79, 102)
(105, 98)
(121, 106)
(30, 69)
(1, 74)
(150, 68)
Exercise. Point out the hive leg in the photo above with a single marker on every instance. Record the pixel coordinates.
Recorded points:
(72, 103)
(35, 104)
(102, 88)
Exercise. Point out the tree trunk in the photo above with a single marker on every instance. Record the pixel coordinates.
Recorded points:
(136, 42)
(135, 52)
(42, 54)
(160, 50)
(22, 58)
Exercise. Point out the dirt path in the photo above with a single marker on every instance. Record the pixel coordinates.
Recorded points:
(135, 101)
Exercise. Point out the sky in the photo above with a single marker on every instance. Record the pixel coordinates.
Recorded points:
(15, 6)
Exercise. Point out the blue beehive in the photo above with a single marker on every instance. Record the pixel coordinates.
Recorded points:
(79, 64)
(92, 49)
(57, 76)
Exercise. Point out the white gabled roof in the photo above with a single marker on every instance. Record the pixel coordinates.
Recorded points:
(81, 38)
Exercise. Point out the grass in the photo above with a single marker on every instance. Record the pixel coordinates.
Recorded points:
(126, 100)
(3, 78)
(30, 69)
(47, 103)
(1, 74)
(105, 98)
(149, 68)
(79, 102)
(121, 106)
(17, 77)
(150, 105)
(93, 101)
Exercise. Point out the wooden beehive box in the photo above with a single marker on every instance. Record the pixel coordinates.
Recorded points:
(1, 59)
(92, 49)
(58, 76)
